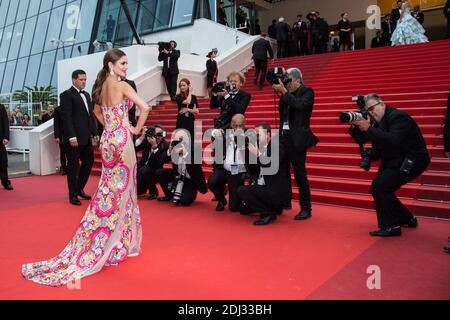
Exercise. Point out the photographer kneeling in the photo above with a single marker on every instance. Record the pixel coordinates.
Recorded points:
(398, 142)
(230, 99)
(154, 147)
(181, 183)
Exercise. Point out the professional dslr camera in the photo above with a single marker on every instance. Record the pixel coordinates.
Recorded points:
(356, 133)
(276, 74)
(151, 133)
(164, 45)
(223, 85)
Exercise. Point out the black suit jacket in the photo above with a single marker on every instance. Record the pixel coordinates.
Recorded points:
(231, 106)
(174, 55)
(395, 16)
(4, 124)
(282, 29)
(58, 126)
(156, 160)
(378, 42)
(395, 137)
(446, 8)
(297, 108)
(76, 119)
(261, 48)
(419, 16)
(300, 30)
(447, 127)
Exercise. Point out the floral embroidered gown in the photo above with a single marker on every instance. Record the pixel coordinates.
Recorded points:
(110, 230)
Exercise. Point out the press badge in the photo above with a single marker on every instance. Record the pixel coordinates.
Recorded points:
(234, 169)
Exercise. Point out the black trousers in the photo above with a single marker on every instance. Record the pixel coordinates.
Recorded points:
(77, 176)
(302, 46)
(146, 180)
(297, 160)
(259, 199)
(171, 84)
(167, 176)
(282, 49)
(260, 67)
(217, 182)
(63, 156)
(448, 28)
(3, 164)
(390, 211)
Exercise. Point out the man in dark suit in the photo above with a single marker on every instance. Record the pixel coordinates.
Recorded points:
(221, 14)
(296, 105)
(4, 140)
(272, 31)
(395, 14)
(260, 49)
(154, 154)
(79, 128)
(58, 129)
(300, 30)
(388, 28)
(378, 41)
(183, 166)
(324, 37)
(269, 190)
(418, 14)
(170, 68)
(282, 29)
(230, 103)
(447, 15)
(398, 142)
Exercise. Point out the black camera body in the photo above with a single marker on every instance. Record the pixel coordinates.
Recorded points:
(276, 74)
(223, 85)
(151, 133)
(164, 45)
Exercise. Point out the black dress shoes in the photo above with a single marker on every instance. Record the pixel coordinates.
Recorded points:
(74, 201)
(447, 249)
(164, 199)
(152, 197)
(214, 199)
(287, 206)
(391, 232)
(221, 206)
(83, 195)
(413, 223)
(265, 220)
(8, 186)
(303, 215)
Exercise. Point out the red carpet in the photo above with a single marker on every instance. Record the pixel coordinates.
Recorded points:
(414, 78)
(196, 253)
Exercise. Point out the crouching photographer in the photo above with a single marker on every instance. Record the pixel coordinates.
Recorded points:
(154, 146)
(231, 100)
(181, 183)
(398, 142)
(356, 133)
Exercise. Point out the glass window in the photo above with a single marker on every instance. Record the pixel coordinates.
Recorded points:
(71, 21)
(46, 71)
(46, 5)
(163, 12)
(9, 74)
(12, 12)
(32, 70)
(183, 12)
(23, 8)
(19, 77)
(147, 16)
(124, 35)
(57, 3)
(54, 29)
(15, 41)
(27, 39)
(40, 32)
(2, 69)
(108, 21)
(3, 12)
(34, 8)
(87, 16)
(6, 40)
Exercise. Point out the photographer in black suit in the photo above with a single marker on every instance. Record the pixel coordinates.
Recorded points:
(170, 71)
(269, 190)
(58, 129)
(4, 140)
(79, 128)
(184, 169)
(398, 142)
(154, 147)
(260, 49)
(230, 102)
(395, 14)
(296, 105)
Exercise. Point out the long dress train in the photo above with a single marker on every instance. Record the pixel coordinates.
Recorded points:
(408, 30)
(110, 230)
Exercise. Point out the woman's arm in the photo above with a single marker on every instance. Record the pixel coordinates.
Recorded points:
(99, 115)
(143, 107)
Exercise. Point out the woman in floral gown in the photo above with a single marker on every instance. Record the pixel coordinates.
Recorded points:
(110, 230)
(408, 30)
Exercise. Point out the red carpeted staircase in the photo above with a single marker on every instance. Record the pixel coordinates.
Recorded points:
(414, 78)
